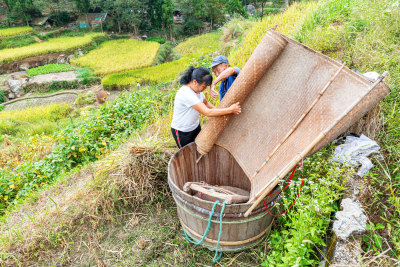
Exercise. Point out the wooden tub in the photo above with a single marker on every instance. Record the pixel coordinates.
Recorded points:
(216, 168)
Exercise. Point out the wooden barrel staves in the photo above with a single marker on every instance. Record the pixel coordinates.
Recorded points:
(218, 167)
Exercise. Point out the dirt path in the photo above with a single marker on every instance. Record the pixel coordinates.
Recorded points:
(37, 39)
(67, 98)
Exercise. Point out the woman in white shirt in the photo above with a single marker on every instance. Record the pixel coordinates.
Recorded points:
(190, 101)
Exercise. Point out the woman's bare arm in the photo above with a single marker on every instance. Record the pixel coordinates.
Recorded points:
(208, 104)
(215, 112)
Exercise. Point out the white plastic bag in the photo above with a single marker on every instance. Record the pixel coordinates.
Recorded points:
(355, 151)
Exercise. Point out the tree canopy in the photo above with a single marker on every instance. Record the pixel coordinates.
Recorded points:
(130, 15)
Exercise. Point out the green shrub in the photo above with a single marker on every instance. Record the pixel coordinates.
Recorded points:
(55, 86)
(156, 39)
(2, 100)
(85, 99)
(60, 111)
(87, 76)
(303, 228)
(50, 68)
(61, 17)
(83, 142)
(164, 51)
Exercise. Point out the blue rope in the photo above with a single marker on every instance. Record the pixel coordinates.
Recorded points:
(219, 235)
(207, 229)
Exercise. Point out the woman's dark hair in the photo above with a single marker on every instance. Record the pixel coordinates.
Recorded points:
(200, 74)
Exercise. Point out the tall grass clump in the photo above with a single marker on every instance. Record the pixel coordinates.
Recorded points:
(202, 44)
(119, 55)
(62, 44)
(233, 34)
(14, 31)
(287, 23)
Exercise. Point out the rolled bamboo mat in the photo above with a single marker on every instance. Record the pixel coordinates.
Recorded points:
(262, 58)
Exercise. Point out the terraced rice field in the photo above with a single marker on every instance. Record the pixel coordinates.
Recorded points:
(119, 55)
(14, 31)
(62, 44)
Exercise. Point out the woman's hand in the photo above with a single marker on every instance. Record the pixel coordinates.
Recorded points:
(235, 108)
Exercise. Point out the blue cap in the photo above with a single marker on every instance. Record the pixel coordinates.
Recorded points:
(218, 60)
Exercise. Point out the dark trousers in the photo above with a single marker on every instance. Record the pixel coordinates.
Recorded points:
(184, 138)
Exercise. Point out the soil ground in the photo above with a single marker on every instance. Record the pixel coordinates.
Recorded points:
(67, 98)
(52, 77)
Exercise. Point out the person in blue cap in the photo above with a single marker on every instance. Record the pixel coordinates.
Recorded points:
(225, 74)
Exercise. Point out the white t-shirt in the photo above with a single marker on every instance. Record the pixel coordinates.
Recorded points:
(185, 117)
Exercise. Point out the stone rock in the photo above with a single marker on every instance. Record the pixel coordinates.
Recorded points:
(61, 59)
(11, 95)
(79, 53)
(250, 9)
(372, 76)
(144, 37)
(347, 253)
(24, 66)
(350, 221)
(16, 87)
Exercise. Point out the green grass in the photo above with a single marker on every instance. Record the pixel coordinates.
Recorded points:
(50, 68)
(16, 41)
(14, 31)
(118, 56)
(62, 44)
